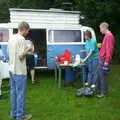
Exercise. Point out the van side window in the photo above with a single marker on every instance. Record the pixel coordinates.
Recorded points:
(4, 35)
(66, 35)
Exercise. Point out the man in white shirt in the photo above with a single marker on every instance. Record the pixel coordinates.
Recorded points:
(18, 50)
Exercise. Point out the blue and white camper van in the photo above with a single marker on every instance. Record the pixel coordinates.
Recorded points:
(52, 32)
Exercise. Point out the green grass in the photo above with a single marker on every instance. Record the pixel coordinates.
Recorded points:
(45, 101)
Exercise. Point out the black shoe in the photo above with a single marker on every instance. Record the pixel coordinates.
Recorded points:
(2, 97)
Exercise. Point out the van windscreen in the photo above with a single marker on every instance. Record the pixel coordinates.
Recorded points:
(65, 35)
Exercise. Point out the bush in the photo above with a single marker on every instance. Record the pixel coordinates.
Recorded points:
(116, 56)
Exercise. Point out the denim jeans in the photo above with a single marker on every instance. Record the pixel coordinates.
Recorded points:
(92, 67)
(17, 95)
(101, 79)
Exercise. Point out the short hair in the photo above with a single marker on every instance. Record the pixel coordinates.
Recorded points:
(23, 25)
(88, 33)
(104, 24)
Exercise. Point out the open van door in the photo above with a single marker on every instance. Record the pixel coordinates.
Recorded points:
(38, 37)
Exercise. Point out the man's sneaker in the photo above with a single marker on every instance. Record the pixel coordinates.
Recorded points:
(27, 117)
(2, 97)
(100, 95)
(92, 86)
(86, 84)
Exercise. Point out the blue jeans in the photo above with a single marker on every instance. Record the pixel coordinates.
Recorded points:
(101, 79)
(92, 67)
(17, 95)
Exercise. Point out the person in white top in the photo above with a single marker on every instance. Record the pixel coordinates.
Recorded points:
(1, 56)
(17, 50)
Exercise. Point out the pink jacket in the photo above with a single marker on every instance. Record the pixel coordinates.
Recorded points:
(107, 48)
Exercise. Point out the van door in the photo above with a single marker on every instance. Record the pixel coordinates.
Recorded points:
(38, 36)
(60, 40)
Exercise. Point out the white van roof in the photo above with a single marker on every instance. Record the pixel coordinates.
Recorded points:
(54, 10)
(45, 19)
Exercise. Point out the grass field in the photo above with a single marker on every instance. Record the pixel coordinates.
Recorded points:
(45, 101)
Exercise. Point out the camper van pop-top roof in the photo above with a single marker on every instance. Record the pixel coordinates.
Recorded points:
(51, 16)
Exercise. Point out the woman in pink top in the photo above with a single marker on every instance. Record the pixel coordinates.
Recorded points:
(105, 56)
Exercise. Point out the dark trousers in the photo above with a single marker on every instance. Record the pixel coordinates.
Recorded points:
(101, 79)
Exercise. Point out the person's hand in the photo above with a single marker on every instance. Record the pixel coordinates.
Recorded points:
(83, 60)
(106, 64)
(26, 51)
(29, 49)
(21, 57)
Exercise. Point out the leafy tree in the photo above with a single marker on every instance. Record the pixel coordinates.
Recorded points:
(97, 11)
(4, 14)
(94, 12)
